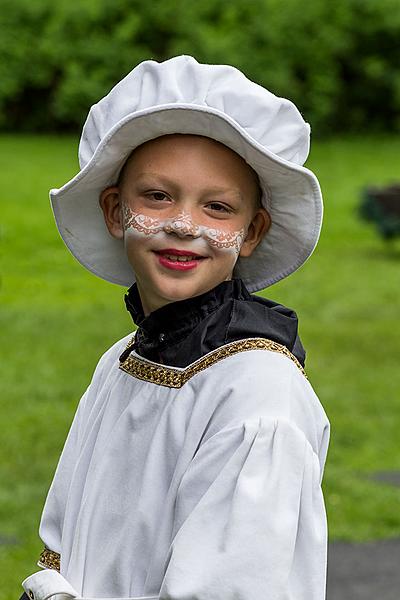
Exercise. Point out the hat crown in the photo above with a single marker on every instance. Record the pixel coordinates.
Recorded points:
(273, 122)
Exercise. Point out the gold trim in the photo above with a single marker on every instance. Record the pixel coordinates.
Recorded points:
(176, 378)
(49, 560)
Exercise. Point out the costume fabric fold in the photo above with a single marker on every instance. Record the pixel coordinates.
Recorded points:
(210, 490)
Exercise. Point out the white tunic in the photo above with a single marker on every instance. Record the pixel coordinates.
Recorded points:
(210, 490)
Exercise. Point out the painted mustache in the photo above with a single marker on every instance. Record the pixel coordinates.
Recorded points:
(183, 226)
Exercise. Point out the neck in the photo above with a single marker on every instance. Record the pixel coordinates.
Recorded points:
(150, 303)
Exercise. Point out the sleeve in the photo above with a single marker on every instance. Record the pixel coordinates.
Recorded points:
(51, 524)
(48, 582)
(250, 521)
(52, 520)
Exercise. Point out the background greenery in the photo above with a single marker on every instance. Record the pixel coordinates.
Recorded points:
(57, 319)
(338, 61)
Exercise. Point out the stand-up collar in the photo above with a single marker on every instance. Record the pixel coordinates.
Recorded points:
(177, 318)
(179, 333)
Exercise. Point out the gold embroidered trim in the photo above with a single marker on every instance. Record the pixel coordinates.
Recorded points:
(174, 378)
(49, 560)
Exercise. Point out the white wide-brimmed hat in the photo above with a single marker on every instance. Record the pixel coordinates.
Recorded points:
(181, 95)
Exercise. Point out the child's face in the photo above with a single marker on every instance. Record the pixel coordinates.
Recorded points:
(186, 208)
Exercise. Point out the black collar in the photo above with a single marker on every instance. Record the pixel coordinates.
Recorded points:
(179, 333)
(177, 319)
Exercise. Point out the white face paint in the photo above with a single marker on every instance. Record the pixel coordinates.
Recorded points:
(182, 226)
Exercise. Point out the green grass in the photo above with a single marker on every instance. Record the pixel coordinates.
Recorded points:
(57, 319)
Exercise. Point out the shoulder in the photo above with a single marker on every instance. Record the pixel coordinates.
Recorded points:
(104, 374)
(110, 358)
(254, 364)
(265, 383)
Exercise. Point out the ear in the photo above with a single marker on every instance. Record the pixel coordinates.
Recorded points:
(110, 202)
(258, 227)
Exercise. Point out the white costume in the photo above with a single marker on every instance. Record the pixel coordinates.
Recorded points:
(208, 490)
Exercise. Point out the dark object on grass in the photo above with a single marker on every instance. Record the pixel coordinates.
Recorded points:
(382, 206)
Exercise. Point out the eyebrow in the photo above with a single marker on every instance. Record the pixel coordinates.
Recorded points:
(164, 180)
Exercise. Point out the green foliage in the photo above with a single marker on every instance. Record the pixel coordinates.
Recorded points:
(337, 61)
(382, 207)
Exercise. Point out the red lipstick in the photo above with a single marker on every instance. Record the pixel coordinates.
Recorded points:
(165, 258)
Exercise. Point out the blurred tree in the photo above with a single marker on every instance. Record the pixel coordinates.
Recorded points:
(337, 61)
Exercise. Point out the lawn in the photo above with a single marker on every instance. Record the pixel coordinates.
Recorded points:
(57, 319)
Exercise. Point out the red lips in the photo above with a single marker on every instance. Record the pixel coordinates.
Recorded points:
(176, 252)
(175, 265)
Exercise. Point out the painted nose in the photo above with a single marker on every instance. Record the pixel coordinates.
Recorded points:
(183, 226)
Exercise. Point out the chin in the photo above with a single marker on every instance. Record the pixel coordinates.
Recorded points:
(167, 294)
(182, 292)
(158, 291)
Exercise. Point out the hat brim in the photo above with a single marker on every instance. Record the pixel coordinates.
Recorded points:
(295, 203)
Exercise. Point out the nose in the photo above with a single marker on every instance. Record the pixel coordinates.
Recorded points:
(182, 225)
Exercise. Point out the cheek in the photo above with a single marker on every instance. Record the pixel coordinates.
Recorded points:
(228, 242)
(139, 225)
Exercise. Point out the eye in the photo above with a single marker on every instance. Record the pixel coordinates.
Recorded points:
(157, 196)
(218, 207)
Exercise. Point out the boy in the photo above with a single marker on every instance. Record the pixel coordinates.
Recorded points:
(193, 466)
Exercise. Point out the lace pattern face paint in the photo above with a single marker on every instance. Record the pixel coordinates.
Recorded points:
(183, 226)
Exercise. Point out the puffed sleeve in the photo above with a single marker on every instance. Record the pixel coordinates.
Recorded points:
(250, 522)
(52, 520)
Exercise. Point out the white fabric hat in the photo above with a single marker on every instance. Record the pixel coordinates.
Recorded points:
(218, 101)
